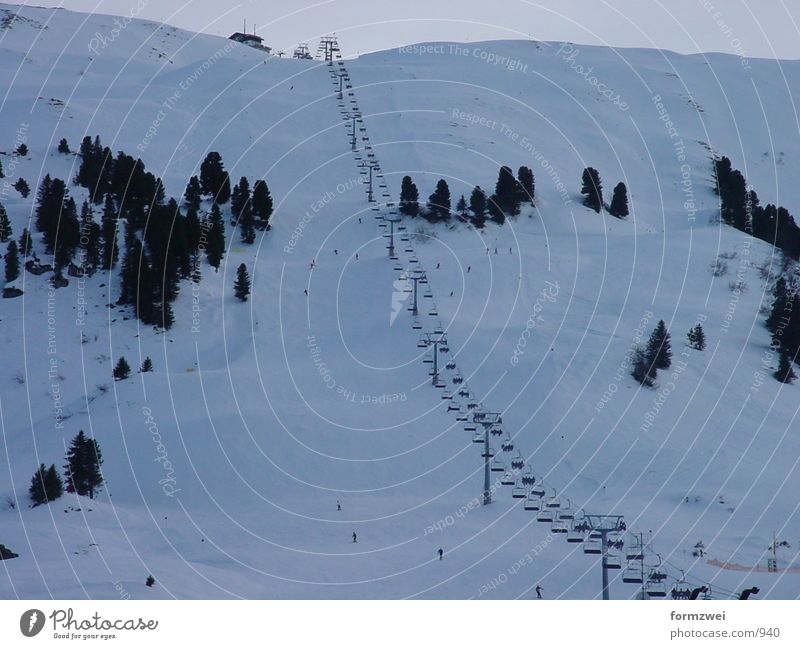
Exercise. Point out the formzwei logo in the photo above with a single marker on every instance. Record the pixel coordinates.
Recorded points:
(31, 622)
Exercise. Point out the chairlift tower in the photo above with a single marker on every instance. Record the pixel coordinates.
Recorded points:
(341, 76)
(327, 46)
(391, 220)
(605, 524)
(353, 117)
(416, 275)
(432, 339)
(369, 165)
(488, 420)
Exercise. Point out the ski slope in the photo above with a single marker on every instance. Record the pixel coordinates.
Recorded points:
(225, 465)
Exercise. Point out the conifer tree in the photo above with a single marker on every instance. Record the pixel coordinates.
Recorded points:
(12, 261)
(461, 208)
(439, 202)
(82, 469)
(63, 146)
(505, 200)
(22, 187)
(477, 205)
(659, 353)
(25, 243)
(53, 486)
(242, 284)
(785, 373)
(592, 189)
(526, 185)
(22, 150)
(122, 370)
(262, 204)
(215, 246)
(780, 305)
(642, 369)
(147, 365)
(214, 179)
(696, 338)
(193, 195)
(36, 491)
(409, 197)
(5, 225)
(108, 234)
(619, 202)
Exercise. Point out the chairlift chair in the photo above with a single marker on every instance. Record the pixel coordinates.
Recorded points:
(451, 365)
(613, 561)
(457, 379)
(519, 491)
(532, 504)
(477, 438)
(447, 395)
(463, 392)
(453, 407)
(517, 463)
(507, 447)
(498, 465)
(428, 295)
(417, 325)
(444, 347)
(489, 453)
(496, 431)
(544, 516)
(655, 588)
(566, 513)
(470, 428)
(538, 490)
(632, 575)
(508, 480)
(554, 502)
(592, 546)
(427, 358)
(574, 536)
(559, 527)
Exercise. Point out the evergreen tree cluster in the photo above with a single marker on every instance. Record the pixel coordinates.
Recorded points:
(82, 473)
(592, 190)
(509, 194)
(740, 208)
(656, 356)
(46, 485)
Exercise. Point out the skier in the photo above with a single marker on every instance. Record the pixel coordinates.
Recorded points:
(338, 506)
(469, 268)
(355, 538)
(356, 256)
(451, 293)
(305, 290)
(538, 591)
(441, 553)
(437, 265)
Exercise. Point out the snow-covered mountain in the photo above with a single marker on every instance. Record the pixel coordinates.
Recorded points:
(224, 466)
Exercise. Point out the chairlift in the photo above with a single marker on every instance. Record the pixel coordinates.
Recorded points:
(592, 546)
(447, 395)
(635, 552)
(507, 447)
(508, 480)
(489, 453)
(444, 347)
(496, 431)
(613, 561)
(463, 392)
(554, 502)
(417, 325)
(477, 438)
(451, 365)
(427, 358)
(532, 504)
(655, 588)
(457, 379)
(453, 407)
(471, 428)
(472, 405)
(559, 527)
(428, 295)
(498, 465)
(538, 490)
(461, 416)
(566, 513)
(519, 491)
(632, 575)
(574, 536)
(437, 330)
(544, 516)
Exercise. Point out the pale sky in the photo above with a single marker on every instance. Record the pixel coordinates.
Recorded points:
(751, 28)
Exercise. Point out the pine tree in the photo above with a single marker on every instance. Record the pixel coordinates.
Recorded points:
(214, 179)
(68, 236)
(461, 208)
(147, 365)
(22, 187)
(215, 246)
(5, 225)
(242, 284)
(262, 204)
(90, 236)
(193, 194)
(477, 205)
(37, 491)
(25, 243)
(780, 309)
(785, 373)
(526, 184)
(12, 261)
(696, 338)
(239, 198)
(53, 486)
(642, 369)
(122, 370)
(619, 202)
(592, 189)
(22, 150)
(659, 353)
(409, 197)
(83, 466)
(108, 234)
(150, 581)
(505, 200)
(63, 146)
(439, 202)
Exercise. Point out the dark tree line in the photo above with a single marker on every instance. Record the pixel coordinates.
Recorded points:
(82, 473)
(509, 194)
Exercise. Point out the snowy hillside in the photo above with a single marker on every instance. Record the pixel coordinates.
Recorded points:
(224, 466)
